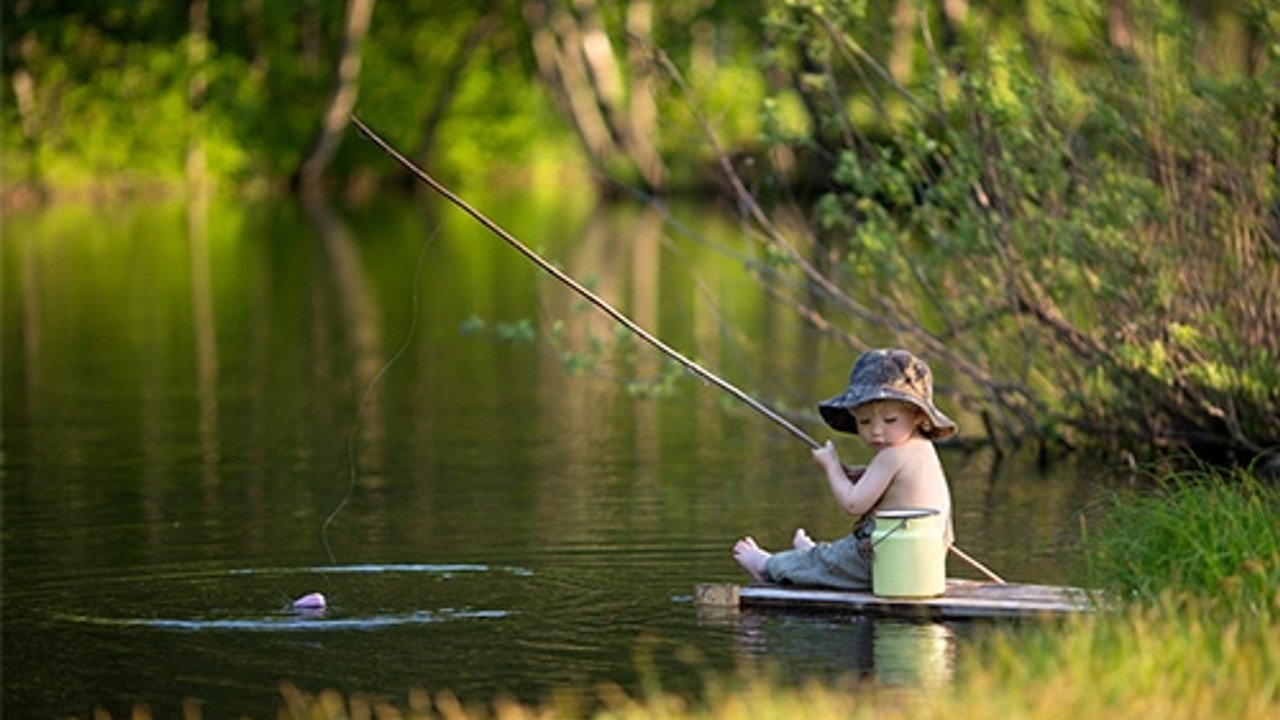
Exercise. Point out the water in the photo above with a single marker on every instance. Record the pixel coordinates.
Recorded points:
(181, 393)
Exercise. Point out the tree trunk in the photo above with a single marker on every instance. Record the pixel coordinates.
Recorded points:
(197, 87)
(609, 103)
(23, 83)
(346, 90)
(24, 94)
(642, 138)
(1120, 26)
(556, 45)
(904, 31)
(255, 34)
(955, 14)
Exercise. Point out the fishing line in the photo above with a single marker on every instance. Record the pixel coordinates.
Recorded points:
(353, 470)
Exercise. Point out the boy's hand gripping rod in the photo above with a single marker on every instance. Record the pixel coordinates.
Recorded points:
(609, 310)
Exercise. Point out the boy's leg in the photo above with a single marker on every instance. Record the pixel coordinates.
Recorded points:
(836, 565)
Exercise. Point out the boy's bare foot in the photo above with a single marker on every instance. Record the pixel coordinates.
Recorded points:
(802, 541)
(752, 558)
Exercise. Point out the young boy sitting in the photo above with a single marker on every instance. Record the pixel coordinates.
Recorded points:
(889, 404)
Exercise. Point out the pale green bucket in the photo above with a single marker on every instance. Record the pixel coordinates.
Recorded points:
(909, 553)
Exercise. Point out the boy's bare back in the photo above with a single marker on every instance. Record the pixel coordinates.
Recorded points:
(915, 478)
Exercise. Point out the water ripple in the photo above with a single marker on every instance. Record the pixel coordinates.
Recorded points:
(374, 568)
(288, 622)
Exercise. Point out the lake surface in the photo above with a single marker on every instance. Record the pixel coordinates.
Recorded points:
(212, 410)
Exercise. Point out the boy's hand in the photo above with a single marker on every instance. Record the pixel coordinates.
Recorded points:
(829, 460)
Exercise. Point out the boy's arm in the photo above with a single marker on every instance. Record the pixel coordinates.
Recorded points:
(856, 494)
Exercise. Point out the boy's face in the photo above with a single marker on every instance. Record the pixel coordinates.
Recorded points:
(885, 423)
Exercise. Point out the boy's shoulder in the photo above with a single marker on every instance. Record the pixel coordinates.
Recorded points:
(915, 454)
(910, 448)
(907, 452)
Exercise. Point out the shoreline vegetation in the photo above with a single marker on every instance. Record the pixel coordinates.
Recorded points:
(1196, 634)
(1094, 184)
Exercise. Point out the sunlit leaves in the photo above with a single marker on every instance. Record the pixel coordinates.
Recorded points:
(1060, 210)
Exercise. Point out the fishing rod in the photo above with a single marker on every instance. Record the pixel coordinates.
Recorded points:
(591, 297)
(608, 309)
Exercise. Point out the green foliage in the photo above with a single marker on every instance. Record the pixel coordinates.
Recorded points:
(140, 88)
(611, 355)
(1013, 178)
(664, 385)
(472, 325)
(1107, 219)
(112, 105)
(519, 331)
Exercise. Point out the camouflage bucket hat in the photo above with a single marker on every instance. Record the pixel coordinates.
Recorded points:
(887, 375)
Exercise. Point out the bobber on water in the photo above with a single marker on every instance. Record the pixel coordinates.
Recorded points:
(909, 553)
(311, 603)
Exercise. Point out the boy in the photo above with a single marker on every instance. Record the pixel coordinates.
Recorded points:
(889, 404)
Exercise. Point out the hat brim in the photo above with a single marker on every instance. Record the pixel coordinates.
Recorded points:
(836, 410)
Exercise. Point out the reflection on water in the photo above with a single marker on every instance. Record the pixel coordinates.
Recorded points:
(206, 340)
(921, 654)
(889, 651)
(177, 413)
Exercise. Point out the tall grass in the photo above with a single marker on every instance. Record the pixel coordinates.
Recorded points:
(1173, 658)
(1206, 533)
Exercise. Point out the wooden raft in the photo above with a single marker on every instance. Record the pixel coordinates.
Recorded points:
(964, 599)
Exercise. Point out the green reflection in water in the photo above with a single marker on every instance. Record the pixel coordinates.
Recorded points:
(180, 384)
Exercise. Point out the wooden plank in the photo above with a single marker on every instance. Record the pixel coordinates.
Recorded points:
(963, 599)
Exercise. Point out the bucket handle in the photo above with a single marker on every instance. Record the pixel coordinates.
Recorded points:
(902, 522)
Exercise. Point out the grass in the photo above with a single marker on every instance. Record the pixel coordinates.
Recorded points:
(1207, 533)
(1175, 658)
(1196, 635)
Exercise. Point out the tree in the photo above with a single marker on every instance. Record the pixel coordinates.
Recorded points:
(342, 101)
(607, 98)
(1092, 252)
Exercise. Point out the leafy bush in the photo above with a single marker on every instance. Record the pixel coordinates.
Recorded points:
(1091, 247)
